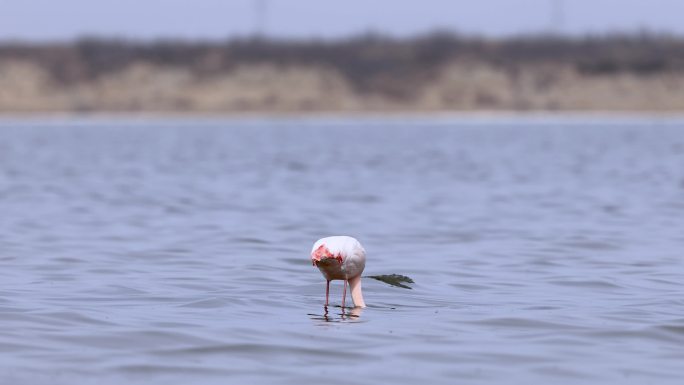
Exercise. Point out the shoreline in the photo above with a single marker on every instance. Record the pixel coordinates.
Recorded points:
(365, 76)
(565, 116)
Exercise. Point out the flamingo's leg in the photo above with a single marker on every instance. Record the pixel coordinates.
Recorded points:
(344, 293)
(327, 292)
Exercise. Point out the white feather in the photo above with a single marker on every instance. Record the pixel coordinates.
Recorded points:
(352, 253)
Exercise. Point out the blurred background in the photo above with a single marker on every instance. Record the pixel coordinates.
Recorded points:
(166, 166)
(279, 56)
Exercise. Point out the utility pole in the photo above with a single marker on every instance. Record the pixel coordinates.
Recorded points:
(557, 17)
(260, 14)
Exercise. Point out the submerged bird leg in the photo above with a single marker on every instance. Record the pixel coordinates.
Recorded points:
(344, 294)
(327, 291)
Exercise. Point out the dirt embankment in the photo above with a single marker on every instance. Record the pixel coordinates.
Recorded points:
(437, 73)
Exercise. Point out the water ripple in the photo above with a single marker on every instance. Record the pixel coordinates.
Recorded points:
(177, 251)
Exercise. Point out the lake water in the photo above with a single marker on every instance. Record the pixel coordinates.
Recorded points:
(177, 251)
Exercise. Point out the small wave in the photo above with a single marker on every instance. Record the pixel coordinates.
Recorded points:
(596, 284)
(206, 303)
(523, 323)
(260, 350)
(249, 240)
(174, 369)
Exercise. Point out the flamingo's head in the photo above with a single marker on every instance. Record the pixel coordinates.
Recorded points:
(322, 254)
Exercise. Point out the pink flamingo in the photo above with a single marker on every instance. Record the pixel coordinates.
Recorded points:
(341, 257)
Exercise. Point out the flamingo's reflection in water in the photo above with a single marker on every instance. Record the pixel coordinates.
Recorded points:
(345, 314)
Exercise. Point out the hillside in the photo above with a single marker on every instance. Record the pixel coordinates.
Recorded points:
(439, 72)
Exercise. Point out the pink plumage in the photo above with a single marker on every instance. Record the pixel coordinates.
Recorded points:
(341, 258)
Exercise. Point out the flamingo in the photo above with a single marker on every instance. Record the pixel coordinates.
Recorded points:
(341, 257)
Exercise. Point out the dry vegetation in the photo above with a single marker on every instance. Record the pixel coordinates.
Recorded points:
(439, 72)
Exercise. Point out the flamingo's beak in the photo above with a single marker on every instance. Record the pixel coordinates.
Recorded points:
(315, 260)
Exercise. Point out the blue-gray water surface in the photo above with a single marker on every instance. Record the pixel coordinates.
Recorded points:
(177, 251)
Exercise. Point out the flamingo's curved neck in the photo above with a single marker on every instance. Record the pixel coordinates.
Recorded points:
(357, 296)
